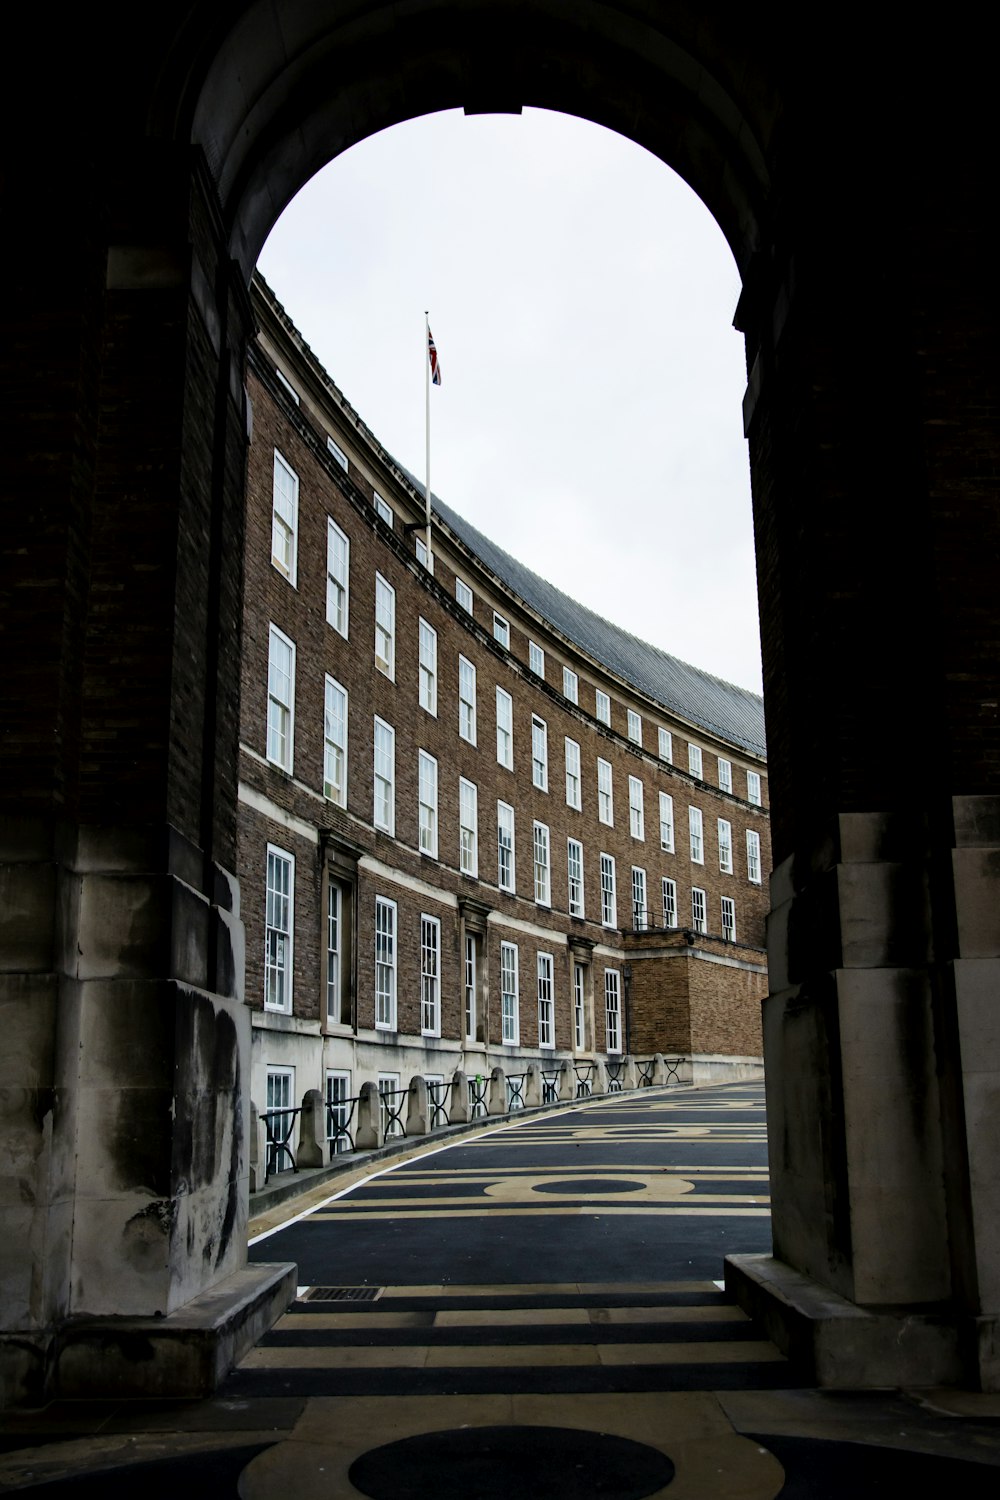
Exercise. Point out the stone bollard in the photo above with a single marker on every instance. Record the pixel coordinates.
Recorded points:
(417, 1109)
(312, 1130)
(567, 1080)
(532, 1086)
(258, 1150)
(630, 1074)
(497, 1101)
(458, 1109)
(659, 1070)
(368, 1136)
(600, 1077)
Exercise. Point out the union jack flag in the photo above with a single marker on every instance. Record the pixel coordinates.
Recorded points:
(432, 355)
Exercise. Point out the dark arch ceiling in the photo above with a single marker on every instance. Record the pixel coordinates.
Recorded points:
(273, 91)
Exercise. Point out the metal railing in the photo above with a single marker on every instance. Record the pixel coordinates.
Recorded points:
(585, 1075)
(340, 1125)
(343, 1117)
(478, 1107)
(616, 1075)
(278, 1126)
(437, 1098)
(393, 1102)
(645, 1070)
(515, 1091)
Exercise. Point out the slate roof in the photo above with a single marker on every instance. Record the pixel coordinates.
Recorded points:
(734, 713)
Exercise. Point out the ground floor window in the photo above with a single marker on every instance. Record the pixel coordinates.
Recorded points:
(391, 1101)
(338, 1111)
(430, 976)
(612, 1010)
(509, 1021)
(546, 1018)
(579, 1007)
(280, 1122)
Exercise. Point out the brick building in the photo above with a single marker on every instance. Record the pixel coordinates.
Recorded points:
(478, 823)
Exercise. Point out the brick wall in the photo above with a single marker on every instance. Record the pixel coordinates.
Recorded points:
(392, 865)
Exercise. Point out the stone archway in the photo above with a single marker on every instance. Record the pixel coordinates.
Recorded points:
(850, 181)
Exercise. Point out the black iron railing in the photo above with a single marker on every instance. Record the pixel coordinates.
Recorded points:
(340, 1125)
(278, 1126)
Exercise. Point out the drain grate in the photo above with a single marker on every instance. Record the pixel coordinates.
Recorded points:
(342, 1294)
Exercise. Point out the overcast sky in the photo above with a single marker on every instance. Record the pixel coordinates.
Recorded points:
(581, 299)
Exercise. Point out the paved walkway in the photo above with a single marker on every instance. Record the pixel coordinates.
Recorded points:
(533, 1310)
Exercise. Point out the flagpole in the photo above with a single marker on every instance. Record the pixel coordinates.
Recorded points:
(427, 404)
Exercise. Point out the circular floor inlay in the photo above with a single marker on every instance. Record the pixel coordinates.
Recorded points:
(582, 1186)
(512, 1463)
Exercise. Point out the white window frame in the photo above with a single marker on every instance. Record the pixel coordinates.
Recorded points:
(665, 745)
(338, 577)
(541, 849)
(505, 729)
(667, 822)
(640, 909)
(536, 659)
(579, 1007)
(725, 846)
(546, 1001)
(539, 753)
(699, 909)
(391, 1129)
(571, 685)
(427, 804)
(612, 1011)
(695, 760)
(466, 700)
(609, 896)
(336, 898)
(753, 788)
(510, 1020)
(634, 727)
(669, 892)
(574, 877)
(605, 793)
(335, 741)
(468, 827)
(424, 557)
(279, 1095)
(696, 831)
(385, 964)
(506, 876)
(280, 710)
(636, 814)
(725, 774)
(573, 789)
(286, 384)
(753, 856)
(501, 630)
(463, 594)
(602, 707)
(279, 930)
(427, 653)
(285, 518)
(337, 452)
(385, 627)
(384, 509)
(384, 807)
(430, 975)
(337, 1095)
(471, 985)
(728, 919)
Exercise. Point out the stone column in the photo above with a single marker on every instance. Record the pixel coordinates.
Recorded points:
(126, 1054)
(875, 532)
